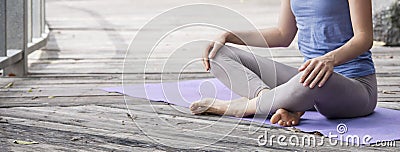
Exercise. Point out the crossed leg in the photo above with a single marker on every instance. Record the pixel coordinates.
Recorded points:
(250, 75)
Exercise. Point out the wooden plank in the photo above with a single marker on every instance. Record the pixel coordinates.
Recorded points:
(390, 105)
(119, 126)
(238, 138)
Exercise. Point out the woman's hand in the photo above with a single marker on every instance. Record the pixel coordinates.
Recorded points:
(213, 48)
(317, 71)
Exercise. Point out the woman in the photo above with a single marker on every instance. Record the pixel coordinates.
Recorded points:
(337, 77)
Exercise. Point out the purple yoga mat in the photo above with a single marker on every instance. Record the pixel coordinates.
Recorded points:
(382, 125)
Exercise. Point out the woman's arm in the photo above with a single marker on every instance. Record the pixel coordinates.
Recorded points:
(322, 67)
(361, 18)
(280, 36)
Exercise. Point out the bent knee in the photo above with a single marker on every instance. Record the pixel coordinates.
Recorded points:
(296, 91)
(226, 51)
(296, 85)
(224, 54)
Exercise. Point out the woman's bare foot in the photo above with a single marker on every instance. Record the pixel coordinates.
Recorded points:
(239, 107)
(286, 118)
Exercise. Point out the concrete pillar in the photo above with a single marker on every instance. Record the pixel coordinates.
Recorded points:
(17, 35)
(43, 16)
(3, 28)
(36, 19)
(29, 22)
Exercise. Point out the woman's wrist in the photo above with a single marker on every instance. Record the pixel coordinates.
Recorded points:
(333, 57)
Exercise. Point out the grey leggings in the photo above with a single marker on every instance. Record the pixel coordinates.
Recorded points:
(247, 74)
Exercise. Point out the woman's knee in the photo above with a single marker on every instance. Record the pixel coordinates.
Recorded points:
(297, 88)
(295, 92)
(226, 51)
(224, 54)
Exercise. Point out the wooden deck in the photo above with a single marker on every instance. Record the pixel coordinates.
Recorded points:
(60, 104)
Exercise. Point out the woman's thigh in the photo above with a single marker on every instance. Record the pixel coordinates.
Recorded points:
(272, 73)
(346, 97)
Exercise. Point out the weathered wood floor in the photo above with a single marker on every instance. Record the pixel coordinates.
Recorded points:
(60, 106)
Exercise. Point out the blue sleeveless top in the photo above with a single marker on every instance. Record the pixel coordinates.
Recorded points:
(325, 25)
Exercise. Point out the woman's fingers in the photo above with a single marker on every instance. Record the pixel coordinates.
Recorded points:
(212, 49)
(307, 71)
(317, 79)
(313, 74)
(302, 67)
(216, 47)
(206, 60)
(316, 71)
(326, 77)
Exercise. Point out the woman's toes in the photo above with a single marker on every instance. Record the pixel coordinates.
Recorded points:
(199, 110)
(275, 118)
(281, 122)
(196, 110)
(289, 123)
(285, 118)
(193, 106)
(208, 105)
(294, 122)
(198, 107)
